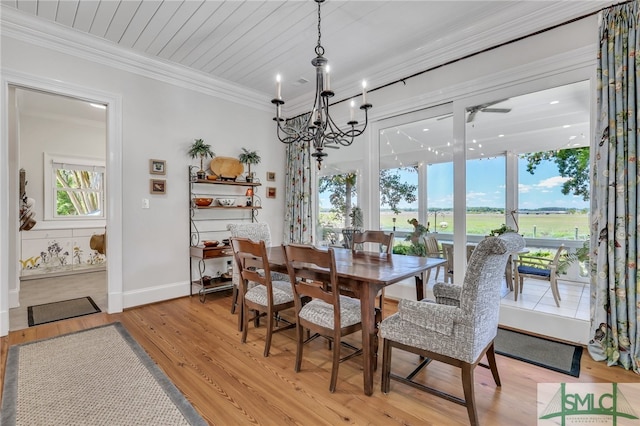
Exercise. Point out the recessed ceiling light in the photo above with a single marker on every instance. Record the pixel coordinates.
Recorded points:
(554, 102)
(99, 106)
(501, 136)
(566, 126)
(425, 130)
(571, 138)
(471, 149)
(479, 145)
(475, 141)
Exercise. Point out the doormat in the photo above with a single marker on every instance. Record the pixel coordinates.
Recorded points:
(556, 356)
(56, 311)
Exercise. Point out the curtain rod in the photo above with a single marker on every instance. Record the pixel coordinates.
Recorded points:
(488, 49)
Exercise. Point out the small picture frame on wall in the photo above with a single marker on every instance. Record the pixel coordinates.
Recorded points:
(271, 176)
(271, 192)
(157, 167)
(158, 186)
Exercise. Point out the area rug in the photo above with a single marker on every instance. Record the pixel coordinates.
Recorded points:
(556, 356)
(56, 311)
(99, 376)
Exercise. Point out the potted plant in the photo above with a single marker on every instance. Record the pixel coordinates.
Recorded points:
(417, 247)
(502, 230)
(249, 157)
(202, 150)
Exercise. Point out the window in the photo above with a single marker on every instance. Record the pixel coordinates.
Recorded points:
(74, 188)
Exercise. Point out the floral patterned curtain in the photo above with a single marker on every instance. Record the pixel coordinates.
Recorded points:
(615, 294)
(298, 196)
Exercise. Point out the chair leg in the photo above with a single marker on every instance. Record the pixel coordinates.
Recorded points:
(491, 359)
(245, 322)
(386, 366)
(267, 343)
(336, 363)
(234, 299)
(554, 290)
(518, 288)
(469, 396)
(300, 342)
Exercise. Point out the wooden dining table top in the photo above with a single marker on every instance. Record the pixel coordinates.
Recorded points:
(379, 269)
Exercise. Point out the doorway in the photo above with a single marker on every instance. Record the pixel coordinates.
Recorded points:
(9, 161)
(61, 145)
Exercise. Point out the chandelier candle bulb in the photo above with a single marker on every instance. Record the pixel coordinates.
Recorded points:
(353, 110)
(364, 92)
(327, 69)
(278, 87)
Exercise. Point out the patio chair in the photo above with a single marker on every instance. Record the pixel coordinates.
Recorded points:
(538, 268)
(447, 250)
(433, 250)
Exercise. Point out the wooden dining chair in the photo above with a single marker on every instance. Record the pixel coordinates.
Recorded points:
(384, 240)
(266, 298)
(328, 313)
(385, 245)
(255, 232)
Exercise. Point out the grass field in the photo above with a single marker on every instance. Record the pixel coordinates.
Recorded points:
(561, 226)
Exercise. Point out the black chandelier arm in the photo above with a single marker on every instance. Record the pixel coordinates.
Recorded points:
(338, 139)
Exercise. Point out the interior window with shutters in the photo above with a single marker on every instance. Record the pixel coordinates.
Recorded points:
(74, 188)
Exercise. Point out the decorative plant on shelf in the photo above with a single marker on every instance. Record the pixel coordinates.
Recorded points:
(202, 150)
(249, 157)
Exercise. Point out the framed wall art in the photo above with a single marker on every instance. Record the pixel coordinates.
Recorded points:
(271, 192)
(157, 167)
(158, 186)
(271, 176)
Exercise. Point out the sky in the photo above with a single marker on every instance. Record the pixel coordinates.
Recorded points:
(486, 186)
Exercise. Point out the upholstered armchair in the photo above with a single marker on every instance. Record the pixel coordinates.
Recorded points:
(459, 327)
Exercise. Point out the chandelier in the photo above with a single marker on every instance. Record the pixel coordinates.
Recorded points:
(320, 129)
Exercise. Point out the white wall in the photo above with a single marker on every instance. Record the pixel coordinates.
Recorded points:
(160, 120)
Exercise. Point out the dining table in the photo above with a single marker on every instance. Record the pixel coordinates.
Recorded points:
(364, 274)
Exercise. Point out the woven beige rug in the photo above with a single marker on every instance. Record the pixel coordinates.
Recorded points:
(99, 376)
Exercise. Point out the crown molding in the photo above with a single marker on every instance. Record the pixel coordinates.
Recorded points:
(23, 27)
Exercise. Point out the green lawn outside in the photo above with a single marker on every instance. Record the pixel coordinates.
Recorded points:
(560, 226)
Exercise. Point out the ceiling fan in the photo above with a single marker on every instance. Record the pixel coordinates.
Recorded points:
(485, 108)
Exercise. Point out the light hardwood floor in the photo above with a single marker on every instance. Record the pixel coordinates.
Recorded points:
(229, 383)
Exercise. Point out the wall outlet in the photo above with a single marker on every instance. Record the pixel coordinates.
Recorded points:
(145, 203)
